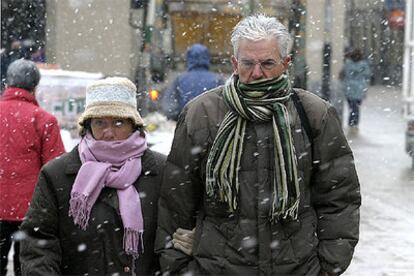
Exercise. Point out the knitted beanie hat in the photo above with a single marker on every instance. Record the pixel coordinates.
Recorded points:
(111, 97)
(23, 73)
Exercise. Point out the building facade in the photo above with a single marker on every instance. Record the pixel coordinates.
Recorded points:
(124, 38)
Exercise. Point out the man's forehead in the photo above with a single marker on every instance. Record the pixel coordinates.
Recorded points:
(264, 48)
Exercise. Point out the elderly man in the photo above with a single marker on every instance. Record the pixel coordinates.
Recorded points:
(262, 171)
(29, 138)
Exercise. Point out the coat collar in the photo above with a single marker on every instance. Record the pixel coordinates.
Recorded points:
(19, 94)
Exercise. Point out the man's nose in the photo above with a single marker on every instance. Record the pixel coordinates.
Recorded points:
(257, 72)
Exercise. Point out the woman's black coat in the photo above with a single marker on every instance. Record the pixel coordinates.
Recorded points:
(53, 244)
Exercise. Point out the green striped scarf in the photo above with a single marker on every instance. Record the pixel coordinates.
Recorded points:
(262, 100)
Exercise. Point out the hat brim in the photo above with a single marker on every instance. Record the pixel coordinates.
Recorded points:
(113, 109)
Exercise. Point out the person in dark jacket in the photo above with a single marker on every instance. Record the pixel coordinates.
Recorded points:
(190, 84)
(94, 210)
(262, 171)
(12, 52)
(29, 138)
(356, 75)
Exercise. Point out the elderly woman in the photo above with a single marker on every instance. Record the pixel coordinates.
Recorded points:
(94, 210)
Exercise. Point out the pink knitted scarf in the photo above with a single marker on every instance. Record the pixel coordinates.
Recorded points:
(114, 164)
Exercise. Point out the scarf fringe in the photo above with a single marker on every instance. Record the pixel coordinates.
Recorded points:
(133, 242)
(79, 209)
(292, 212)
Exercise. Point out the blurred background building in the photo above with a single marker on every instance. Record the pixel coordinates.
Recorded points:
(377, 27)
(147, 40)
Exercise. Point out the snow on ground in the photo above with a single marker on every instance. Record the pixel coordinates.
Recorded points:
(160, 132)
(67, 139)
(386, 245)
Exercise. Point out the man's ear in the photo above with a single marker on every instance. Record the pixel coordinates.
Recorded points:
(234, 64)
(286, 62)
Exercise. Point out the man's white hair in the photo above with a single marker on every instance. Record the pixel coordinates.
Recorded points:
(258, 27)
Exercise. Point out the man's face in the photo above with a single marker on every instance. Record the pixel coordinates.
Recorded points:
(259, 60)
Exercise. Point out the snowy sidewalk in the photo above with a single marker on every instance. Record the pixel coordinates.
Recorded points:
(386, 245)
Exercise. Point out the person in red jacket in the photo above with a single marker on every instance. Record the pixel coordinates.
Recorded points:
(29, 138)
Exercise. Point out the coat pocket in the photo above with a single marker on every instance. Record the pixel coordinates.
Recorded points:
(208, 248)
(302, 235)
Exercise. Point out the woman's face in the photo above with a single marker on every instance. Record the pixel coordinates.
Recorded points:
(111, 129)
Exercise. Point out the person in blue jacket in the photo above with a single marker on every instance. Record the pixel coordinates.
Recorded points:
(190, 84)
(356, 76)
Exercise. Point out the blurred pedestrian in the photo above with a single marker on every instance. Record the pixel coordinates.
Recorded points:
(28, 48)
(190, 84)
(262, 171)
(38, 55)
(12, 52)
(355, 76)
(29, 138)
(94, 210)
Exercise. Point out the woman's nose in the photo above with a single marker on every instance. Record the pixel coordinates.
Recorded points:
(108, 133)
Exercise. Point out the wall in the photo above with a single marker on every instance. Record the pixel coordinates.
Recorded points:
(92, 36)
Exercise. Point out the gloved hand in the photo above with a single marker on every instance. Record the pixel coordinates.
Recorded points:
(183, 240)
